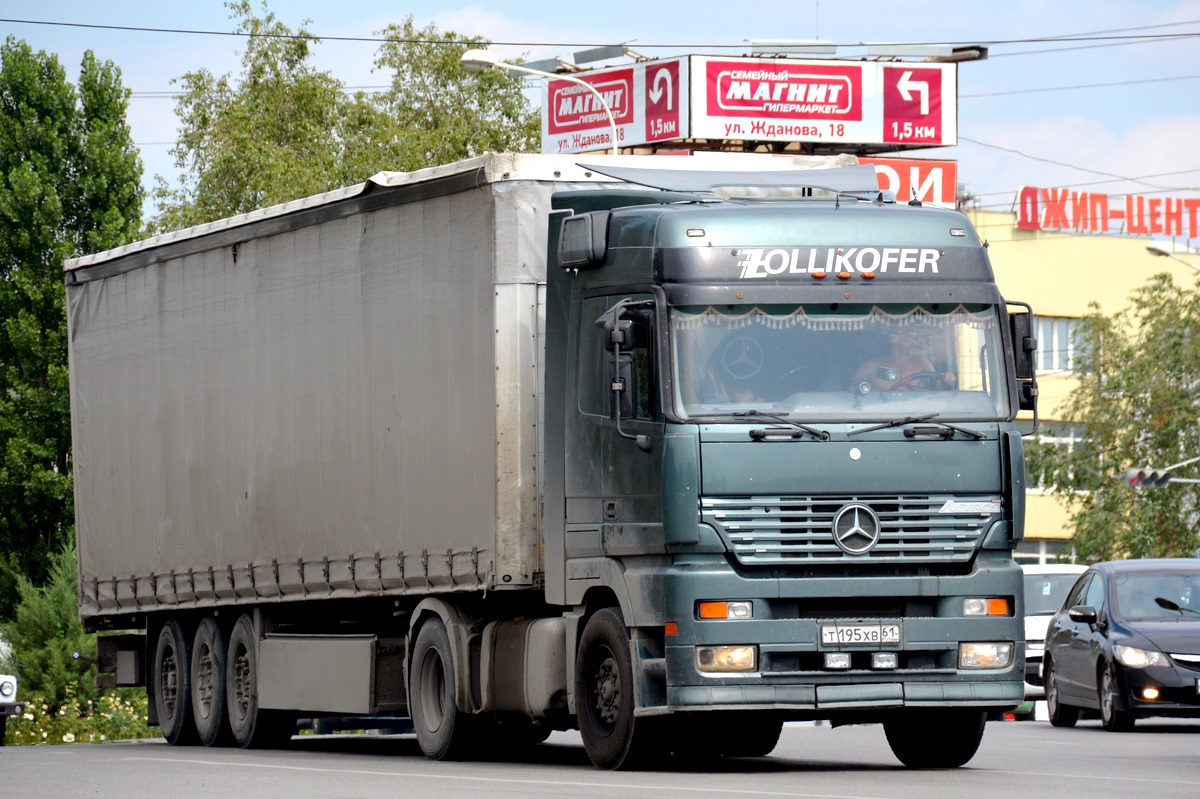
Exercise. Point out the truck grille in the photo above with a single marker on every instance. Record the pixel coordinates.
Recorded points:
(765, 531)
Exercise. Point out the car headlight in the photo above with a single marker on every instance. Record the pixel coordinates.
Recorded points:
(8, 687)
(1138, 658)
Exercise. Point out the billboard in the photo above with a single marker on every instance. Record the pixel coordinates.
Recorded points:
(1094, 212)
(825, 103)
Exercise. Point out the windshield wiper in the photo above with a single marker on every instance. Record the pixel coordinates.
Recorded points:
(1167, 604)
(943, 429)
(894, 423)
(760, 434)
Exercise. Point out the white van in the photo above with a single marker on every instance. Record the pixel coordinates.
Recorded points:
(1046, 586)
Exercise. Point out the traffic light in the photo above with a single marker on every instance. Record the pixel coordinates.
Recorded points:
(1145, 477)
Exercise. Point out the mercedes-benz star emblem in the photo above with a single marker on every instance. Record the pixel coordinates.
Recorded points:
(856, 529)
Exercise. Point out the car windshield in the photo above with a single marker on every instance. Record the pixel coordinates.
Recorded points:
(1044, 593)
(1158, 595)
(840, 362)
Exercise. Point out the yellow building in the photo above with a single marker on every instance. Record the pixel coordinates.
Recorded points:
(1060, 274)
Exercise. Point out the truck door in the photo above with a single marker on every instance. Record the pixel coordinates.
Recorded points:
(613, 485)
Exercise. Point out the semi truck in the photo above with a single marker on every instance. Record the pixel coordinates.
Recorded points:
(670, 451)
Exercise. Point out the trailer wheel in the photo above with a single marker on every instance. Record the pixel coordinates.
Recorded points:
(209, 653)
(172, 685)
(605, 697)
(935, 738)
(251, 726)
(443, 731)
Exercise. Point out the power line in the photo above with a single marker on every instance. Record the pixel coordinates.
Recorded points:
(375, 39)
(1079, 86)
(1064, 164)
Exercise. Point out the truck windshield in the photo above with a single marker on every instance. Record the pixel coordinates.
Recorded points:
(840, 362)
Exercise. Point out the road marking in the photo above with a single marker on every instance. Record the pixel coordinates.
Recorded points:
(605, 786)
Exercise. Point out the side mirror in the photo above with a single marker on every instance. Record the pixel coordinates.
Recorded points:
(1024, 349)
(1024, 344)
(1083, 614)
(626, 327)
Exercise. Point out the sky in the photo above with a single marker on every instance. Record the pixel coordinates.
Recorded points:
(1103, 114)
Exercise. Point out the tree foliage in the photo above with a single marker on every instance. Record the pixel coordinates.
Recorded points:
(281, 129)
(1138, 397)
(45, 632)
(69, 184)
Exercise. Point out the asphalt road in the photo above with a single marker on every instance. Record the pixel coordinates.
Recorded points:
(1020, 760)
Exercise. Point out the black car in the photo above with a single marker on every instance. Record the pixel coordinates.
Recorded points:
(1126, 642)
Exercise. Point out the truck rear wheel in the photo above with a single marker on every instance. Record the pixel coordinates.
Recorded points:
(443, 731)
(935, 738)
(172, 684)
(252, 727)
(209, 653)
(605, 697)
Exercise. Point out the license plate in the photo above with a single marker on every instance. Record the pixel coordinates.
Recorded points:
(841, 634)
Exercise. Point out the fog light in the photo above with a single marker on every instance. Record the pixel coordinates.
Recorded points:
(1150, 693)
(726, 658)
(885, 660)
(985, 606)
(985, 655)
(837, 660)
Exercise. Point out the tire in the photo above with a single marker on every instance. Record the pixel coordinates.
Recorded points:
(757, 736)
(443, 731)
(210, 651)
(696, 738)
(1060, 715)
(605, 697)
(172, 685)
(935, 738)
(251, 726)
(1114, 720)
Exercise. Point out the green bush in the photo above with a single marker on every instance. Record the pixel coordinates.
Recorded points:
(44, 634)
(119, 715)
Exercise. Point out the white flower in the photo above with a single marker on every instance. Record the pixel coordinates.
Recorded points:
(69, 738)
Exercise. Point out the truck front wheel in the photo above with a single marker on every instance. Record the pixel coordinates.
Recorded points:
(605, 697)
(935, 738)
(172, 684)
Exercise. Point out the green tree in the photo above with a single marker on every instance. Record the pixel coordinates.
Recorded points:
(69, 184)
(45, 632)
(449, 112)
(1138, 397)
(281, 129)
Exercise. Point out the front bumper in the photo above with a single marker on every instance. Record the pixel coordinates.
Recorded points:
(791, 672)
(12, 709)
(1178, 691)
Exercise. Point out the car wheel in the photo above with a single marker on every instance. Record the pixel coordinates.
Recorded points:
(1114, 720)
(1060, 715)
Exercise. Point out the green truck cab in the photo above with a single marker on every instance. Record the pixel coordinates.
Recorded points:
(789, 457)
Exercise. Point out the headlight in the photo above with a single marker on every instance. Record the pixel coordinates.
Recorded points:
(985, 655)
(1138, 658)
(8, 687)
(726, 658)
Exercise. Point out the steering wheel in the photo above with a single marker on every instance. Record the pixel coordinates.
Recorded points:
(928, 379)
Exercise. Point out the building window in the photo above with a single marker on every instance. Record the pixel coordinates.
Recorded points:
(1055, 352)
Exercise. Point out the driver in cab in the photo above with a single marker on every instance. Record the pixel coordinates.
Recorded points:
(901, 368)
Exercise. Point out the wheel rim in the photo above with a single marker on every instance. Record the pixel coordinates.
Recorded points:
(243, 682)
(1051, 692)
(1107, 700)
(607, 691)
(433, 691)
(205, 681)
(168, 682)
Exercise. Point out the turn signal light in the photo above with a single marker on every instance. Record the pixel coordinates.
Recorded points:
(981, 606)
